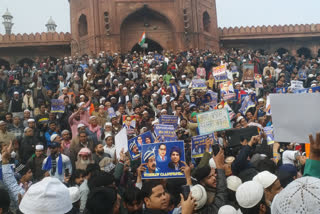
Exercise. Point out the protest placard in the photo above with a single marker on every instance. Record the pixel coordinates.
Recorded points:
(268, 130)
(165, 133)
(258, 81)
(247, 103)
(282, 90)
(163, 160)
(199, 144)
(220, 73)
(121, 142)
(198, 84)
(129, 122)
(212, 121)
(169, 120)
(111, 112)
(219, 70)
(295, 116)
(234, 69)
(268, 106)
(227, 90)
(248, 72)
(211, 98)
(135, 144)
(57, 106)
(224, 104)
(302, 74)
(296, 85)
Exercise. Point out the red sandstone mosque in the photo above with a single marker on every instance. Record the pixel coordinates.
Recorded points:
(116, 26)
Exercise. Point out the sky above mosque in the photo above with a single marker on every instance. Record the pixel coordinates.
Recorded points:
(30, 16)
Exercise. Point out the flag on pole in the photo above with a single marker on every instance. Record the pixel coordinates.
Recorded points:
(142, 39)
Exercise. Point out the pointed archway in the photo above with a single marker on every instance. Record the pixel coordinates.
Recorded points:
(4, 63)
(152, 46)
(304, 51)
(25, 60)
(157, 26)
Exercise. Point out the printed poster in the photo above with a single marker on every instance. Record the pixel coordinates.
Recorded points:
(169, 120)
(57, 106)
(199, 144)
(165, 133)
(198, 84)
(211, 121)
(211, 98)
(220, 73)
(246, 104)
(135, 144)
(163, 160)
(129, 122)
(248, 72)
(227, 90)
(269, 132)
(258, 81)
(219, 70)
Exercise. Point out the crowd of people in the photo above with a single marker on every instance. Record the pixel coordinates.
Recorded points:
(66, 161)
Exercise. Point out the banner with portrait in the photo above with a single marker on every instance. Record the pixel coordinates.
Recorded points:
(135, 144)
(165, 133)
(227, 90)
(129, 122)
(212, 121)
(163, 160)
(198, 144)
(258, 81)
(248, 72)
(268, 130)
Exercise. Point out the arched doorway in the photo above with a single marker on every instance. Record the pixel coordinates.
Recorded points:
(157, 27)
(5, 63)
(282, 51)
(21, 62)
(152, 46)
(304, 51)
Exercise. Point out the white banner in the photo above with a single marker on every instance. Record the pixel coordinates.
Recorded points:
(121, 142)
(295, 116)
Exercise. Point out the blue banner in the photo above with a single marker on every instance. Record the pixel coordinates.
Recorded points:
(163, 160)
(269, 132)
(169, 120)
(135, 144)
(199, 144)
(198, 84)
(165, 133)
(246, 104)
(281, 90)
(57, 106)
(211, 98)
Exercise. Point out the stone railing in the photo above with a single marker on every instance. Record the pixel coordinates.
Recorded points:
(34, 39)
(273, 31)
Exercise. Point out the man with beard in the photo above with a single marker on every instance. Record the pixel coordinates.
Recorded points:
(56, 163)
(84, 158)
(99, 153)
(74, 121)
(28, 144)
(35, 163)
(150, 158)
(135, 150)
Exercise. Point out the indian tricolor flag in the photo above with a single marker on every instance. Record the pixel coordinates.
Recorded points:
(142, 39)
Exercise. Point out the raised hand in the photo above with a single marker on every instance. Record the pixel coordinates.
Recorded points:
(315, 147)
